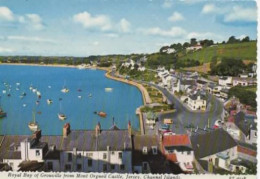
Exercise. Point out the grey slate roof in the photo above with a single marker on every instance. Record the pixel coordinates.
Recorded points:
(243, 124)
(211, 143)
(201, 82)
(82, 140)
(187, 82)
(195, 96)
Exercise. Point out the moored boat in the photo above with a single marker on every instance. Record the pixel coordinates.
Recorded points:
(2, 113)
(33, 125)
(65, 90)
(62, 116)
(102, 114)
(49, 101)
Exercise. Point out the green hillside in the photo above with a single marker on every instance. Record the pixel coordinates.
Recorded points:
(244, 51)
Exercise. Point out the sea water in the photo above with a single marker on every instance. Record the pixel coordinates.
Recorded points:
(119, 103)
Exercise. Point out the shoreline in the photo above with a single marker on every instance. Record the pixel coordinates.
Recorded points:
(145, 96)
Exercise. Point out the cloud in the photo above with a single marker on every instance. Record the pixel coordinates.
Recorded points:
(6, 50)
(34, 20)
(209, 8)
(204, 35)
(101, 22)
(176, 16)
(173, 32)
(31, 39)
(124, 25)
(238, 14)
(167, 4)
(112, 35)
(96, 43)
(6, 14)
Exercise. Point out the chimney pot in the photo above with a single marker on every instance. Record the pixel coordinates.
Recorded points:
(66, 130)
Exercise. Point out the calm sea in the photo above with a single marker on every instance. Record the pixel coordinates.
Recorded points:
(119, 103)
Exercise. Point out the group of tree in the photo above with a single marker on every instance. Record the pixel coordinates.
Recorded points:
(245, 96)
(227, 67)
(233, 39)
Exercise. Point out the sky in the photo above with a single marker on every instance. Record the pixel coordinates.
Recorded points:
(101, 27)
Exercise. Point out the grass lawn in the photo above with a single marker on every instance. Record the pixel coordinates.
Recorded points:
(245, 51)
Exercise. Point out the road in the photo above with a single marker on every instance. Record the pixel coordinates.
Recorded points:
(183, 117)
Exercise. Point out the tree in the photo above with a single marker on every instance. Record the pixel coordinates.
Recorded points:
(246, 39)
(186, 44)
(232, 39)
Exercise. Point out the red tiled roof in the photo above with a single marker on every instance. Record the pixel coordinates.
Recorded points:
(233, 112)
(251, 112)
(246, 151)
(171, 157)
(175, 140)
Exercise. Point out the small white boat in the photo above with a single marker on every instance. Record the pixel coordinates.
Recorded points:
(4, 91)
(34, 90)
(17, 84)
(24, 105)
(90, 95)
(33, 125)
(38, 93)
(65, 90)
(31, 88)
(49, 101)
(62, 116)
(79, 97)
(49, 86)
(17, 89)
(108, 89)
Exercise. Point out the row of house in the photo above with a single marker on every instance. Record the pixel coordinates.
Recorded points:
(131, 64)
(229, 81)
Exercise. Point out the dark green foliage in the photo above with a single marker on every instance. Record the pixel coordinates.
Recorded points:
(228, 67)
(245, 96)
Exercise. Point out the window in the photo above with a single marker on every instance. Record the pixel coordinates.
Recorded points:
(67, 167)
(113, 152)
(255, 134)
(145, 150)
(89, 154)
(154, 149)
(112, 167)
(50, 166)
(79, 155)
(120, 155)
(104, 156)
(104, 167)
(188, 152)
(69, 157)
(11, 164)
(122, 167)
(145, 166)
(79, 167)
(89, 162)
(37, 152)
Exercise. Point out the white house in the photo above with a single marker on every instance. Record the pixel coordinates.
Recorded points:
(197, 101)
(209, 155)
(128, 63)
(178, 149)
(80, 150)
(141, 68)
(225, 81)
(194, 48)
(169, 50)
(244, 81)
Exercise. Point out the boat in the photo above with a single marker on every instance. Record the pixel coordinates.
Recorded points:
(62, 116)
(33, 125)
(49, 86)
(34, 90)
(49, 101)
(24, 105)
(108, 89)
(38, 93)
(8, 94)
(23, 95)
(37, 102)
(17, 89)
(31, 88)
(4, 91)
(79, 90)
(79, 97)
(2, 113)
(102, 114)
(65, 90)
(17, 84)
(90, 95)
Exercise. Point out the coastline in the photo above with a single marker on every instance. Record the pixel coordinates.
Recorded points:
(145, 95)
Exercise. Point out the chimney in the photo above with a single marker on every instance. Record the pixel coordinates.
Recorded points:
(98, 129)
(129, 129)
(66, 130)
(37, 135)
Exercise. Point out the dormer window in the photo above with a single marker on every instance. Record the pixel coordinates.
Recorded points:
(154, 149)
(145, 151)
(37, 152)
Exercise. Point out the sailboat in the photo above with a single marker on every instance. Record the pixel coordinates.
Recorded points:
(64, 89)
(61, 116)
(33, 125)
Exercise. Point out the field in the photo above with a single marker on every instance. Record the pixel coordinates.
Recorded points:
(245, 51)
